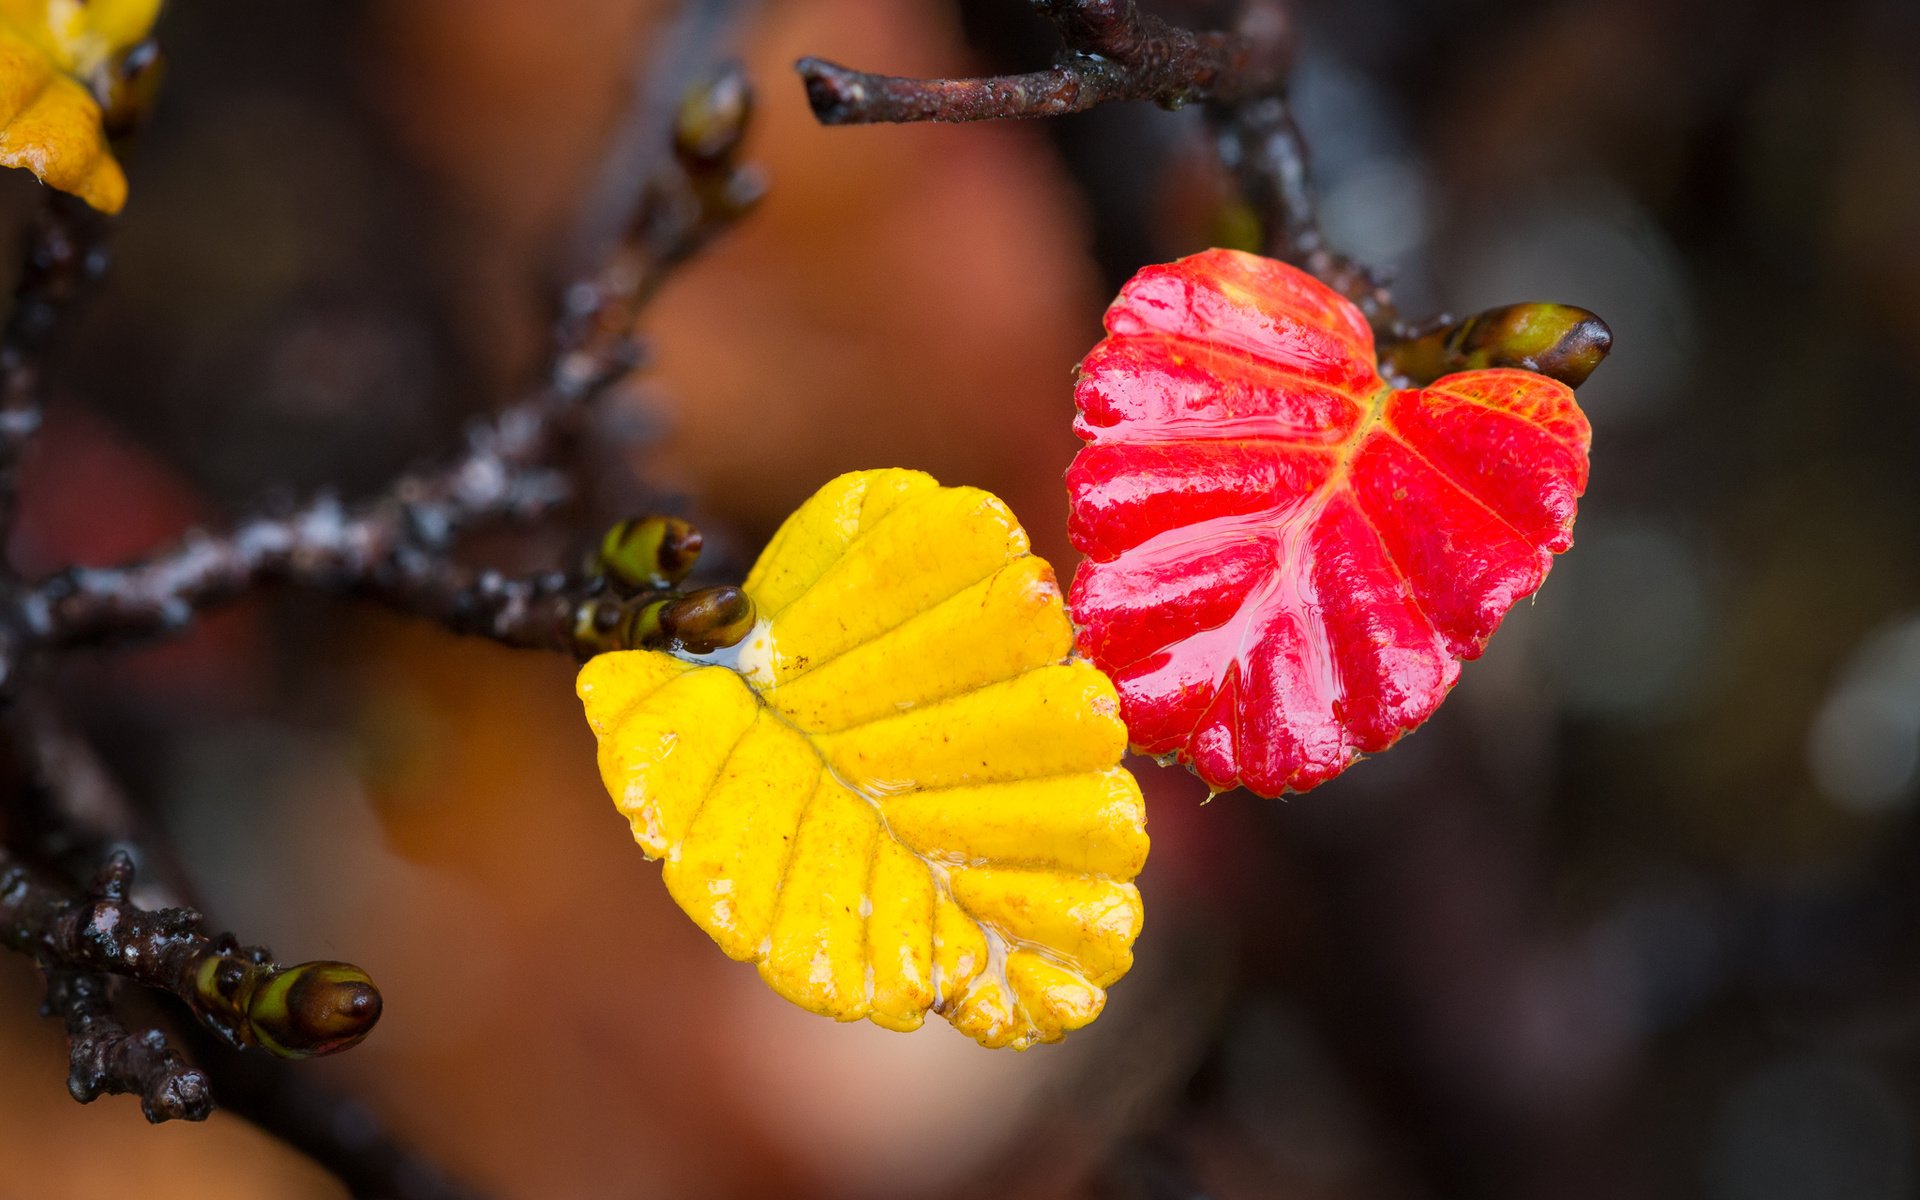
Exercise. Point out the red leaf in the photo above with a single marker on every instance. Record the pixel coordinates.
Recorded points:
(1286, 558)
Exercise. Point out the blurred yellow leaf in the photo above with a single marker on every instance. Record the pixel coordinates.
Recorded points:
(49, 119)
(900, 793)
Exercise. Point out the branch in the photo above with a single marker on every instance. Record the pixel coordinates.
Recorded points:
(236, 991)
(1112, 52)
(81, 812)
(682, 66)
(65, 254)
(105, 1059)
(72, 814)
(393, 547)
(1261, 144)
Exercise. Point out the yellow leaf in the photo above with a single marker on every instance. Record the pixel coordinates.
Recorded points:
(49, 119)
(900, 793)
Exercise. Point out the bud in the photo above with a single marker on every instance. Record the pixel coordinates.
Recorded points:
(706, 620)
(697, 622)
(712, 118)
(640, 624)
(296, 1012)
(313, 1009)
(1555, 340)
(647, 553)
(736, 194)
(128, 87)
(596, 626)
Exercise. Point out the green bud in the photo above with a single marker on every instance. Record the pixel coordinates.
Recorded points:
(713, 114)
(313, 1009)
(647, 553)
(296, 1012)
(640, 624)
(596, 626)
(1555, 340)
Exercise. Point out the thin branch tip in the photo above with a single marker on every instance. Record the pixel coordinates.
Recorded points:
(1112, 52)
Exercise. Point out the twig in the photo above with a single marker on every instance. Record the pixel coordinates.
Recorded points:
(75, 817)
(1261, 144)
(70, 815)
(681, 63)
(65, 255)
(1113, 52)
(105, 1059)
(393, 548)
(87, 811)
(236, 991)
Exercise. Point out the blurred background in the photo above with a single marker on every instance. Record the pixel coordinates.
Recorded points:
(1637, 914)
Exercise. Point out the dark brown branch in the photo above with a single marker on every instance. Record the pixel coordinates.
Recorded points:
(73, 816)
(105, 1059)
(236, 991)
(546, 611)
(87, 810)
(70, 816)
(694, 193)
(1262, 145)
(537, 612)
(681, 65)
(393, 548)
(1113, 52)
(65, 254)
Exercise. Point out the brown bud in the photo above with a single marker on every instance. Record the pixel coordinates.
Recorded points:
(1555, 340)
(313, 1009)
(707, 619)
